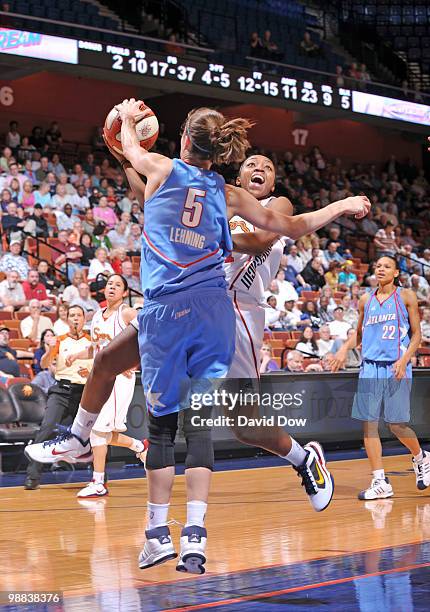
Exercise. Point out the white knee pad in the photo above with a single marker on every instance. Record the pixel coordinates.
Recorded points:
(100, 438)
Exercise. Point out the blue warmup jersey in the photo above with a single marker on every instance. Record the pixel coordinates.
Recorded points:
(385, 328)
(187, 324)
(186, 235)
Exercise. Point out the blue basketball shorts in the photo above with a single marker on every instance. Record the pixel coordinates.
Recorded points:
(186, 340)
(376, 386)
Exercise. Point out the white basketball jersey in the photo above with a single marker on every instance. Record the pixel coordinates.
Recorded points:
(104, 330)
(248, 275)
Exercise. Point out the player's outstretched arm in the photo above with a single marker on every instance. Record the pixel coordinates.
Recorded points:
(153, 165)
(410, 300)
(337, 361)
(240, 202)
(256, 243)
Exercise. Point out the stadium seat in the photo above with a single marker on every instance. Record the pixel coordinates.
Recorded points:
(29, 402)
(8, 418)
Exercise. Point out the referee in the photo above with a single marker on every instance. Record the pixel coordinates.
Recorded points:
(63, 397)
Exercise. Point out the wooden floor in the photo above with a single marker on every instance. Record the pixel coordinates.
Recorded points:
(257, 518)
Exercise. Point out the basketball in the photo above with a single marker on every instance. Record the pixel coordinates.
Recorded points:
(146, 129)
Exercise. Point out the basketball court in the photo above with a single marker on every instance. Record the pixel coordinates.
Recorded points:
(267, 548)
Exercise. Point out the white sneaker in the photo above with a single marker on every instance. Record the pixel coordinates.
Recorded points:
(158, 547)
(65, 447)
(316, 478)
(93, 489)
(422, 471)
(142, 455)
(380, 488)
(193, 544)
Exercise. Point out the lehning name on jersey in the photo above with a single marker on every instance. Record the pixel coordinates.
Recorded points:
(382, 318)
(186, 236)
(251, 271)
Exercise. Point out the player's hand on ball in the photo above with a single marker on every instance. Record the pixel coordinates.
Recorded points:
(132, 109)
(358, 206)
(399, 369)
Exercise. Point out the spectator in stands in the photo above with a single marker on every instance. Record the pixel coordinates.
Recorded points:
(13, 220)
(14, 174)
(294, 259)
(271, 49)
(43, 196)
(134, 241)
(385, 241)
(27, 196)
(43, 348)
(37, 138)
(61, 325)
(350, 314)
(256, 48)
(99, 265)
(267, 361)
(15, 190)
(8, 355)
(47, 276)
(35, 290)
(308, 47)
(5, 199)
(310, 316)
(313, 274)
(338, 327)
(332, 275)
(324, 343)
(5, 159)
(13, 137)
(340, 79)
(353, 359)
(71, 292)
(89, 164)
(56, 166)
(107, 170)
(69, 255)
(88, 224)
(295, 362)
(66, 219)
(408, 238)
(292, 318)
(79, 200)
(100, 236)
(104, 213)
(172, 46)
(421, 291)
(286, 289)
(85, 301)
(347, 277)
(425, 263)
(98, 142)
(43, 170)
(307, 344)
(36, 323)
(14, 260)
(331, 254)
(64, 181)
(53, 135)
(323, 311)
(11, 292)
(61, 197)
(273, 315)
(119, 236)
(25, 152)
(425, 326)
(127, 273)
(88, 251)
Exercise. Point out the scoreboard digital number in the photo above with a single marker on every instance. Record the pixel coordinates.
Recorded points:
(212, 75)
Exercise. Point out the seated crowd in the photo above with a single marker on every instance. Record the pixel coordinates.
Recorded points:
(90, 224)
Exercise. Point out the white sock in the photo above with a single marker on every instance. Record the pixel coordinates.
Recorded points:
(297, 454)
(83, 423)
(99, 477)
(196, 512)
(379, 474)
(420, 455)
(157, 515)
(136, 446)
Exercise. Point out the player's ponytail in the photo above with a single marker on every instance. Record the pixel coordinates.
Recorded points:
(213, 138)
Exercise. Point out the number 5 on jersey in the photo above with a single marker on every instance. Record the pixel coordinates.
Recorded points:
(193, 208)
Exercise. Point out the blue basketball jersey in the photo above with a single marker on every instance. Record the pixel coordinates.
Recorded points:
(385, 328)
(186, 234)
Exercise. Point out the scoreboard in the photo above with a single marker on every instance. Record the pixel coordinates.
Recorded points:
(285, 87)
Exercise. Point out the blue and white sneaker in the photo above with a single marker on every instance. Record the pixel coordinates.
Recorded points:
(316, 477)
(193, 545)
(65, 447)
(158, 547)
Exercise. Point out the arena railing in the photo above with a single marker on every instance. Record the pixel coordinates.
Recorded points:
(200, 52)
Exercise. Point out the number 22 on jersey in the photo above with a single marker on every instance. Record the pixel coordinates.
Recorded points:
(193, 208)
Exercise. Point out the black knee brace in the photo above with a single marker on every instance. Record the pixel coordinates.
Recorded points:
(162, 433)
(200, 450)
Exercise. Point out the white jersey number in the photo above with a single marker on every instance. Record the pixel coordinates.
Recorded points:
(193, 208)
(388, 332)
